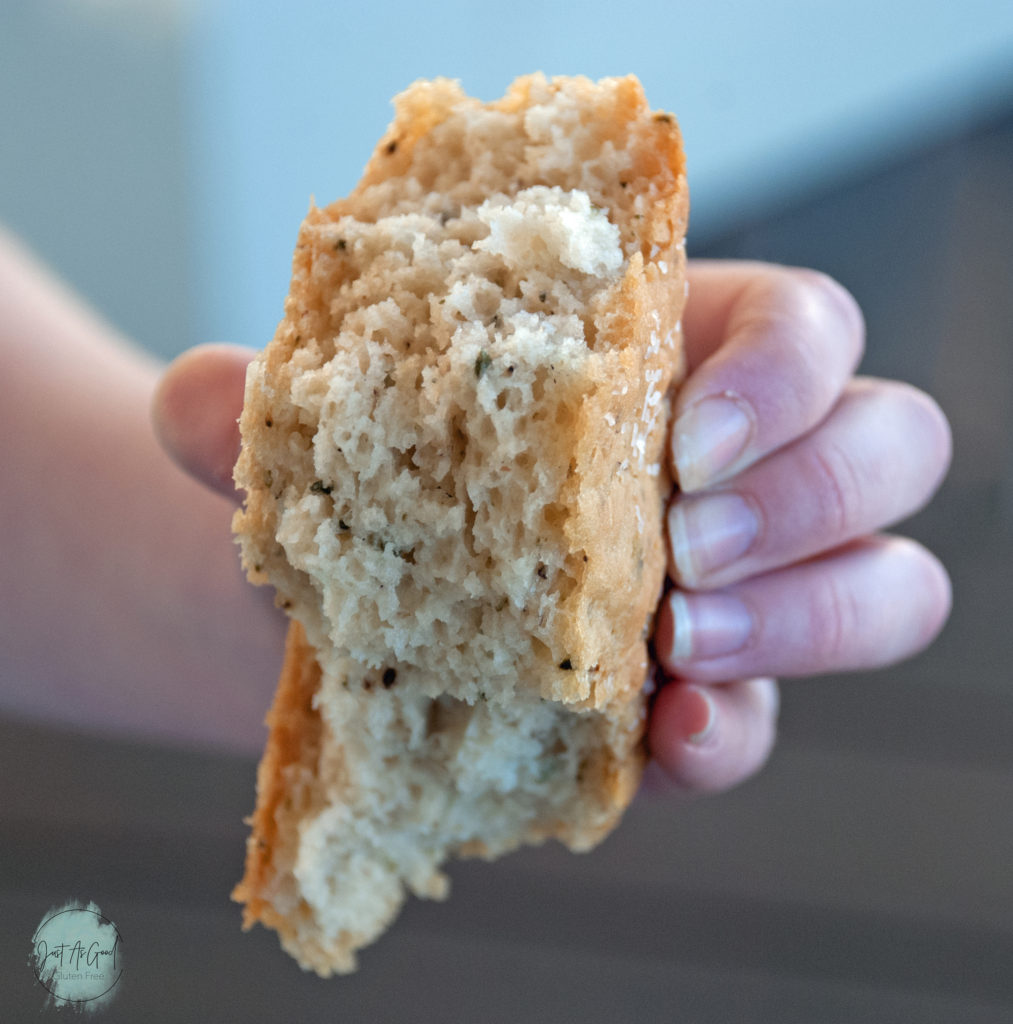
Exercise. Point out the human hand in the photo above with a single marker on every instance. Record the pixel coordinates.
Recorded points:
(821, 461)
(788, 465)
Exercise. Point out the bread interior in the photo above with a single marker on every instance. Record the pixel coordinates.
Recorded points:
(417, 480)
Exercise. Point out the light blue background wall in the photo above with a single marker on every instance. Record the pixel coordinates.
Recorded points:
(92, 155)
(161, 153)
(775, 98)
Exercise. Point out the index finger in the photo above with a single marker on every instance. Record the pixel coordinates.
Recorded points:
(770, 350)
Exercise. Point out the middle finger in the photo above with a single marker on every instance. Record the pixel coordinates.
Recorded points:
(876, 459)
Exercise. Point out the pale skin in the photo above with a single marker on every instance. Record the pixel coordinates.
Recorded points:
(125, 612)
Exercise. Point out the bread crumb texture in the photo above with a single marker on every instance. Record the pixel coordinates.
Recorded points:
(455, 480)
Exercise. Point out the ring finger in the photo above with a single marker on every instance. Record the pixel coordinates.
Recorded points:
(874, 602)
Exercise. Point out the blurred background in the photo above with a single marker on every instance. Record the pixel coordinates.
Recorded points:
(160, 155)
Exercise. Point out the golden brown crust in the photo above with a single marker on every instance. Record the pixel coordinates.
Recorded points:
(294, 744)
(294, 734)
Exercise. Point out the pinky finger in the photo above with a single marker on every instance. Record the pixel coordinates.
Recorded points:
(708, 738)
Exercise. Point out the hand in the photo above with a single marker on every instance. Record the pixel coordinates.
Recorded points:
(820, 460)
(788, 465)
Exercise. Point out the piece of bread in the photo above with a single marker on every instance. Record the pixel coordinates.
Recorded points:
(453, 458)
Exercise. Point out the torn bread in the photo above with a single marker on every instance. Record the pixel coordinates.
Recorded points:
(453, 459)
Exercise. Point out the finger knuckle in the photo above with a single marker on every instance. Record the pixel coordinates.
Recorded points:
(935, 425)
(821, 326)
(817, 296)
(834, 620)
(923, 439)
(832, 481)
(767, 696)
(828, 291)
(928, 579)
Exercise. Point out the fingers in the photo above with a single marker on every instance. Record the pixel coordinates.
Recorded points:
(873, 603)
(786, 467)
(196, 409)
(709, 738)
(876, 459)
(770, 351)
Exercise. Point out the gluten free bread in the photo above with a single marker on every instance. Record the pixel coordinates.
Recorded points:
(454, 474)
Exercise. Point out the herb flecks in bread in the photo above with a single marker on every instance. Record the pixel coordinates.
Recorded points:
(453, 461)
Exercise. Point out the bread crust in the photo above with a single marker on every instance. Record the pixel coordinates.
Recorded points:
(603, 634)
(294, 733)
(295, 739)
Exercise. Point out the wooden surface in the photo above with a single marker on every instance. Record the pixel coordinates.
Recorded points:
(864, 876)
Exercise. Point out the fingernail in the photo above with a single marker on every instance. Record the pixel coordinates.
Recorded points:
(708, 437)
(696, 716)
(708, 626)
(710, 532)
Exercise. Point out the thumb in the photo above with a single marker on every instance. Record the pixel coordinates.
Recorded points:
(195, 412)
